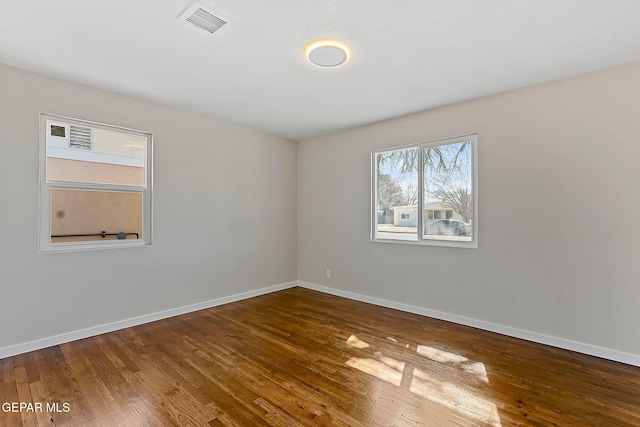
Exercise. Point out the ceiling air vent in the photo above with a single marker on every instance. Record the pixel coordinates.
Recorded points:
(202, 18)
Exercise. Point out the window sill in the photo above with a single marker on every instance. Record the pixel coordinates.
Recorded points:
(92, 246)
(473, 244)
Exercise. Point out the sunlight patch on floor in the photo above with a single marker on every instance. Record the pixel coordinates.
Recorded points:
(378, 369)
(442, 356)
(428, 386)
(354, 341)
(454, 397)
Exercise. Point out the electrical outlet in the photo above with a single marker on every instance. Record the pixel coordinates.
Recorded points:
(328, 274)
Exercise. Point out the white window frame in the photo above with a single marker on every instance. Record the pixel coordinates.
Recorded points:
(44, 230)
(473, 243)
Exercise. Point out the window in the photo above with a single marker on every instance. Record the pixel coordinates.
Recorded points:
(438, 182)
(95, 185)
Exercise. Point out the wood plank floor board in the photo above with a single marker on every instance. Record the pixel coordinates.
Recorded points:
(302, 358)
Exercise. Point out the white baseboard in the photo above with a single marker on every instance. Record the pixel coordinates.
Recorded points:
(592, 350)
(630, 359)
(134, 321)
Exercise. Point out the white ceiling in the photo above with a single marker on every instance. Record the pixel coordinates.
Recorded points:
(408, 55)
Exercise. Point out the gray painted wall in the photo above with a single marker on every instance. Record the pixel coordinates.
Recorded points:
(224, 215)
(559, 212)
(558, 236)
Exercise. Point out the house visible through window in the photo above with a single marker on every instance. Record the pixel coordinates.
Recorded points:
(95, 185)
(437, 182)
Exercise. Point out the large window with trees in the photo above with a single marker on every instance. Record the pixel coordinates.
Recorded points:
(426, 193)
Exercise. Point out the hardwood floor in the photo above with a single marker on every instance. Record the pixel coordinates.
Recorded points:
(299, 358)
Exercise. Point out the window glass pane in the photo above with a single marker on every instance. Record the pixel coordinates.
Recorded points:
(448, 186)
(88, 155)
(83, 215)
(397, 195)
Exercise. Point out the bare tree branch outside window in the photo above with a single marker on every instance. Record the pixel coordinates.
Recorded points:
(448, 177)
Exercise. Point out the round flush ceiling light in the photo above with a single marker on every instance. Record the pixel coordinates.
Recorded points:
(327, 52)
